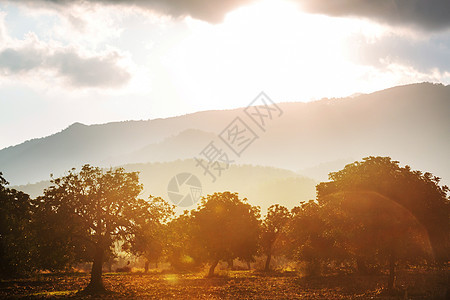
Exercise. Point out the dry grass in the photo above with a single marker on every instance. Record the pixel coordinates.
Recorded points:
(233, 285)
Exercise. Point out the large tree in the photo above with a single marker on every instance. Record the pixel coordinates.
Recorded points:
(308, 238)
(273, 231)
(378, 211)
(226, 227)
(418, 192)
(183, 253)
(95, 208)
(16, 232)
(150, 238)
(375, 231)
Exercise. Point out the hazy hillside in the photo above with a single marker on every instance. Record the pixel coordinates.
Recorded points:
(184, 145)
(409, 123)
(320, 172)
(34, 160)
(262, 186)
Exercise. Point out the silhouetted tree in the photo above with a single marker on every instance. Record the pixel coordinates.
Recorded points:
(375, 230)
(95, 208)
(380, 183)
(273, 229)
(226, 227)
(16, 232)
(183, 252)
(150, 237)
(308, 237)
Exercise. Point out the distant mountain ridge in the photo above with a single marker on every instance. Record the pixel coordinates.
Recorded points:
(409, 123)
(263, 186)
(184, 145)
(78, 144)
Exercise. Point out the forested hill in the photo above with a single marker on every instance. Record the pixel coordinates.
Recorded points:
(263, 186)
(408, 123)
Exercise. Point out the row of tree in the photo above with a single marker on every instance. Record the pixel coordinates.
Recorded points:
(372, 215)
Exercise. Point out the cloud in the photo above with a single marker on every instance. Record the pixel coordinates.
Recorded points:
(392, 48)
(3, 32)
(212, 11)
(425, 14)
(101, 71)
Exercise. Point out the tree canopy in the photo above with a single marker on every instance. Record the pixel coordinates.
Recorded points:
(274, 230)
(226, 227)
(16, 232)
(372, 215)
(418, 192)
(150, 237)
(95, 209)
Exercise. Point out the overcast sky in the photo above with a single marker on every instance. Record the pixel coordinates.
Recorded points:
(100, 61)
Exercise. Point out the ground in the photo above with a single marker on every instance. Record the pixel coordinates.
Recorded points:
(232, 285)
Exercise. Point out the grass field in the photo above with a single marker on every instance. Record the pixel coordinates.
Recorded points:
(232, 285)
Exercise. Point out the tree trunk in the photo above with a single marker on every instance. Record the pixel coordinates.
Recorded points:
(391, 279)
(146, 266)
(230, 264)
(268, 259)
(110, 265)
(96, 284)
(248, 264)
(212, 267)
(362, 266)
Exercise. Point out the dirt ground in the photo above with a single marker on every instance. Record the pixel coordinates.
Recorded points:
(233, 285)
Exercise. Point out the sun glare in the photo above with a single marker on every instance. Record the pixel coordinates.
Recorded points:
(259, 44)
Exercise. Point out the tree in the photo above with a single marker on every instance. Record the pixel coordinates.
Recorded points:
(183, 253)
(307, 233)
(375, 230)
(273, 227)
(95, 208)
(150, 237)
(225, 227)
(16, 232)
(414, 195)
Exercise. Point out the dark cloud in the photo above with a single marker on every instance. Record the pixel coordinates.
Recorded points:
(78, 71)
(402, 50)
(212, 11)
(426, 14)
(20, 61)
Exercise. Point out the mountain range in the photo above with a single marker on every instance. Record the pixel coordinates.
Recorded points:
(307, 141)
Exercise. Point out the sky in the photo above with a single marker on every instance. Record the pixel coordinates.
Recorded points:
(93, 61)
